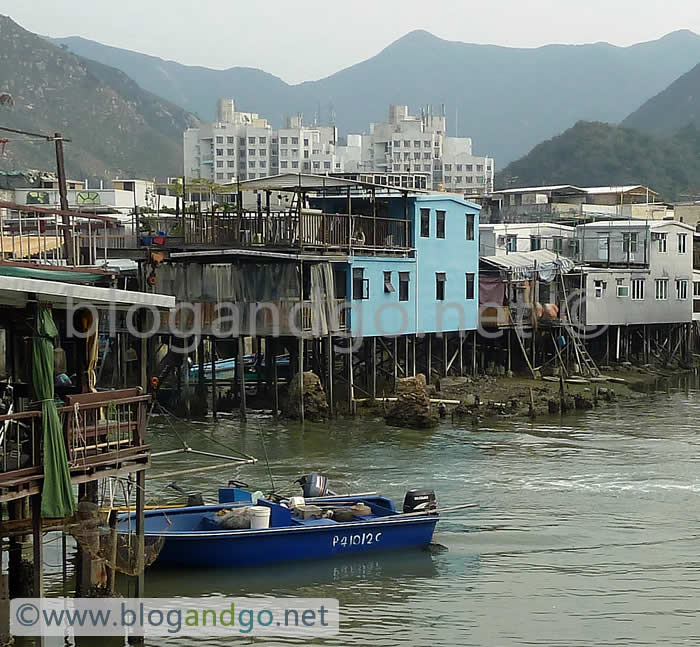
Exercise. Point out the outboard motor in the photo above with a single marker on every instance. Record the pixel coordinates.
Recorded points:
(419, 500)
(313, 485)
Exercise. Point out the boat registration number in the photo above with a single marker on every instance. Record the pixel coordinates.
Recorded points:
(360, 539)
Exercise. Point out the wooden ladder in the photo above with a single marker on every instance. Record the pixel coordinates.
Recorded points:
(585, 361)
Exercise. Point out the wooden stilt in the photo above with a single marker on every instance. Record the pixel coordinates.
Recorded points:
(37, 548)
(240, 369)
(351, 378)
(396, 361)
(214, 391)
(301, 378)
(429, 359)
(510, 367)
(415, 350)
(330, 363)
(271, 354)
(474, 352)
(444, 354)
(374, 367)
(461, 353)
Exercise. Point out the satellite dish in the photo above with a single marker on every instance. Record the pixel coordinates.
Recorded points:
(7, 100)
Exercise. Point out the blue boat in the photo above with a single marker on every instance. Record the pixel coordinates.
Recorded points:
(194, 537)
(254, 368)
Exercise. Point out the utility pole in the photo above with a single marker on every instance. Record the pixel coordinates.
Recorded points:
(62, 192)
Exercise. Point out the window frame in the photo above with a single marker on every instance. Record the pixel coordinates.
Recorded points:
(440, 223)
(661, 294)
(637, 294)
(440, 280)
(388, 285)
(470, 227)
(404, 286)
(360, 284)
(425, 223)
(469, 286)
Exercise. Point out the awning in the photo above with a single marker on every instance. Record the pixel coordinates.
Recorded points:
(16, 292)
(523, 265)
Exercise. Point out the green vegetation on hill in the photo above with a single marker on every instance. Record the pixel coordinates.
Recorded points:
(600, 154)
(677, 106)
(115, 127)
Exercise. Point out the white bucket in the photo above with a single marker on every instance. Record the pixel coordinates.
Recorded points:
(259, 517)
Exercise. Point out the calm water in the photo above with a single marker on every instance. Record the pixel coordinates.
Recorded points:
(588, 533)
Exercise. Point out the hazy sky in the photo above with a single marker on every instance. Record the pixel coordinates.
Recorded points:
(309, 39)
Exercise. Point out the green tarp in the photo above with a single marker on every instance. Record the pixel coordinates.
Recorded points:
(57, 494)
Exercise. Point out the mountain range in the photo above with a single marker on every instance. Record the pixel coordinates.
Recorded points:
(116, 128)
(507, 99)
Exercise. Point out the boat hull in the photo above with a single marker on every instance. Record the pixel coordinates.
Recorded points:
(240, 549)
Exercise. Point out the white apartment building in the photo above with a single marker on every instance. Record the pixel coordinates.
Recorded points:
(243, 146)
(412, 144)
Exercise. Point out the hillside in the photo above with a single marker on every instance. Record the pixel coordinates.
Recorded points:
(116, 128)
(507, 99)
(677, 106)
(600, 154)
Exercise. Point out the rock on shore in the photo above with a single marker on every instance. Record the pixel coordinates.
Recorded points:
(315, 401)
(413, 408)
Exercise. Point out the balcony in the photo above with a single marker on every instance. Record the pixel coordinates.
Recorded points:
(104, 435)
(311, 230)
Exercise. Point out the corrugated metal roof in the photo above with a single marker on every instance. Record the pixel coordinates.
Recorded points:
(534, 189)
(617, 189)
(523, 264)
(309, 182)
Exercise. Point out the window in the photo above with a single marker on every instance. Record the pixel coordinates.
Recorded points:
(448, 167)
(661, 286)
(440, 279)
(397, 143)
(283, 164)
(388, 286)
(469, 285)
(535, 243)
(682, 289)
(219, 140)
(470, 226)
(230, 176)
(230, 152)
(696, 289)
(470, 179)
(426, 167)
(230, 140)
(426, 143)
(251, 140)
(326, 165)
(283, 152)
(458, 167)
(416, 156)
(262, 152)
(219, 163)
(403, 286)
(448, 179)
(283, 140)
(295, 141)
(317, 165)
(219, 151)
(306, 142)
(622, 289)
(360, 285)
(416, 144)
(682, 243)
(262, 163)
(469, 167)
(638, 289)
(262, 140)
(251, 152)
(557, 244)
(425, 223)
(406, 143)
(295, 164)
(251, 164)
(662, 242)
(306, 155)
(458, 179)
(629, 242)
(599, 289)
(479, 168)
(251, 176)
(440, 218)
(512, 243)
(231, 164)
(426, 156)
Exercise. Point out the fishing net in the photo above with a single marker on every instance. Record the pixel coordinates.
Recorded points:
(117, 549)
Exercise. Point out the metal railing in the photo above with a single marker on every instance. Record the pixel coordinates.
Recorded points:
(308, 230)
